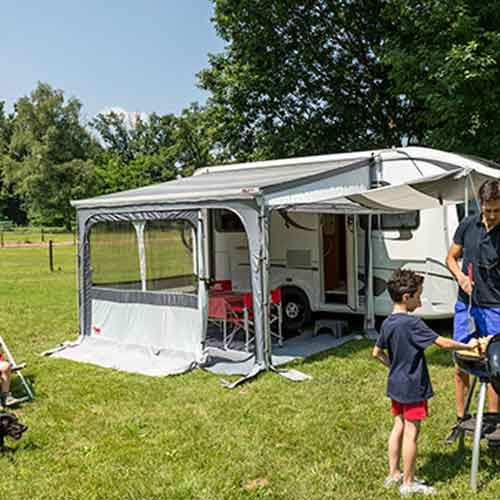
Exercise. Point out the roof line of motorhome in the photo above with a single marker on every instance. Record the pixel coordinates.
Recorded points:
(302, 160)
(317, 176)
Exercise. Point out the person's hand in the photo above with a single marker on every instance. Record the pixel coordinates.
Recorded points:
(473, 344)
(465, 283)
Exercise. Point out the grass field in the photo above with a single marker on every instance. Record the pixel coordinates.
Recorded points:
(101, 434)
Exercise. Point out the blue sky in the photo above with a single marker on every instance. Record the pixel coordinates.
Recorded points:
(140, 55)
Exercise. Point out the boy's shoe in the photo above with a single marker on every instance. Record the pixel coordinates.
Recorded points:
(417, 488)
(391, 481)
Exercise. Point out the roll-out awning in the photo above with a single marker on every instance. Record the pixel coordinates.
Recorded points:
(426, 192)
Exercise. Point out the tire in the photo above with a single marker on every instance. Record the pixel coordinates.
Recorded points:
(296, 310)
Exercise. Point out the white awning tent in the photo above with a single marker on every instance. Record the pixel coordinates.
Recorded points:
(166, 331)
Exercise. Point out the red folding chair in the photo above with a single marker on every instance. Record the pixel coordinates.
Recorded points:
(221, 286)
(239, 318)
(276, 315)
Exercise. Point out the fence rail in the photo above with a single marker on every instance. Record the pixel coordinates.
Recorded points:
(11, 236)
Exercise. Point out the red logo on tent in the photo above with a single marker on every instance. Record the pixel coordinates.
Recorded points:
(96, 329)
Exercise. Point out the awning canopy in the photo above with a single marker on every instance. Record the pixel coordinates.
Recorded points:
(227, 184)
(426, 192)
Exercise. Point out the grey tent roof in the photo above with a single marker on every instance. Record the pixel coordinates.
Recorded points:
(213, 184)
(248, 181)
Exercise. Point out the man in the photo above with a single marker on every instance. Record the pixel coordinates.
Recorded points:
(477, 243)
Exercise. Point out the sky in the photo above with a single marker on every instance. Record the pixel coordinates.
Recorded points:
(140, 56)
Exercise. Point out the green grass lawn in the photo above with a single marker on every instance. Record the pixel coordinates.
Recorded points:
(101, 434)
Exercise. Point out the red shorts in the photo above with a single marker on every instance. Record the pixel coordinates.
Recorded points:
(412, 411)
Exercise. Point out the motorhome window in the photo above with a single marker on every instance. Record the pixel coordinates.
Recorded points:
(473, 209)
(393, 222)
(114, 255)
(169, 256)
(227, 222)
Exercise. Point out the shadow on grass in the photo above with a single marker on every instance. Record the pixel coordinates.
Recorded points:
(17, 388)
(445, 466)
(343, 351)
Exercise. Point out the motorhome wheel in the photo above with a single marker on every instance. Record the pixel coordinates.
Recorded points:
(296, 310)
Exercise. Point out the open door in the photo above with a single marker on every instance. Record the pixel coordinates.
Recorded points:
(338, 234)
(333, 233)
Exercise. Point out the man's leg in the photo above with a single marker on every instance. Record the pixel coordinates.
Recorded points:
(395, 445)
(462, 382)
(410, 437)
(5, 375)
(493, 400)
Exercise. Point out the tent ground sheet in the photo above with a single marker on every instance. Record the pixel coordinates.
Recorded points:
(127, 357)
(232, 362)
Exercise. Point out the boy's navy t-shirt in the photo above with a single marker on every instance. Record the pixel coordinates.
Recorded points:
(405, 337)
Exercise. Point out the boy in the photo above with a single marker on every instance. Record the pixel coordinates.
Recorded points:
(405, 338)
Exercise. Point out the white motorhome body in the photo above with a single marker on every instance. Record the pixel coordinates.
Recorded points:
(319, 257)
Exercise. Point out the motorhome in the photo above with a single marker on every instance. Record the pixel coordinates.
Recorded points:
(327, 230)
(318, 259)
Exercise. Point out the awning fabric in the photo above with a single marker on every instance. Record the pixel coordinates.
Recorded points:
(426, 192)
(217, 185)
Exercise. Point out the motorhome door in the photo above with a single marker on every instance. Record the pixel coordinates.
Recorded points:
(338, 244)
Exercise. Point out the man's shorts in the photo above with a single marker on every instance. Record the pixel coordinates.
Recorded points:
(487, 320)
(411, 411)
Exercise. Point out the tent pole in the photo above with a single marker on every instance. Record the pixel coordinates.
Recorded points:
(202, 284)
(139, 230)
(466, 195)
(369, 322)
(264, 227)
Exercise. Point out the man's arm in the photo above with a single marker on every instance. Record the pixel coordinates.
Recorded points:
(380, 354)
(446, 343)
(454, 254)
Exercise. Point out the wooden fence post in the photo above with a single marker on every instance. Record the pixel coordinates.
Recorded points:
(51, 256)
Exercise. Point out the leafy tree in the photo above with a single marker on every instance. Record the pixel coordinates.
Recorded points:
(154, 149)
(195, 139)
(49, 155)
(10, 204)
(302, 77)
(444, 58)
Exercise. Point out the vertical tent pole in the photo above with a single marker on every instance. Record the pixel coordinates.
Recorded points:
(466, 195)
(139, 230)
(369, 322)
(202, 284)
(264, 227)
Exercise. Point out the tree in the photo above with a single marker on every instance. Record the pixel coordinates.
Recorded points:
(10, 204)
(152, 149)
(49, 156)
(302, 78)
(444, 59)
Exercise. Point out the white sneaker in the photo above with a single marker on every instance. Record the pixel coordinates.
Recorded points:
(392, 480)
(418, 488)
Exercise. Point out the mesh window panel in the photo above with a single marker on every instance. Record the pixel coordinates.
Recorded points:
(114, 256)
(169, 256)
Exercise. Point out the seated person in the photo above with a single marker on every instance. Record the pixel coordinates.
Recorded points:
(6, 398)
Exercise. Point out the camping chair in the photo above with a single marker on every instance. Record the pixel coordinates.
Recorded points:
(239, 318)
(16, 368)
(221, 286)
(276, 315)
